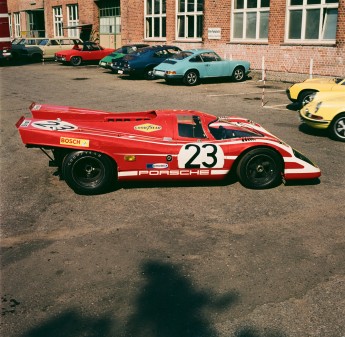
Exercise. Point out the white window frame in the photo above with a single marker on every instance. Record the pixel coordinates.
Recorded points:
(246, 12)
(186, 15)
(304, 8)
(58, 21)
(152, 17)
(17, 27)
(73, 20)
(10, 24)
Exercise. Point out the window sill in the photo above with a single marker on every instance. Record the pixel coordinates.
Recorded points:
(152, 39)
(256, 42)
(188, 40)
(309, 44)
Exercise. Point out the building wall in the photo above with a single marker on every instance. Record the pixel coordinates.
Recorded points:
(88, 13)
(278, 57)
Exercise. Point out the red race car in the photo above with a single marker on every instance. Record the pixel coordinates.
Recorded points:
(87, 52)
(93, 149)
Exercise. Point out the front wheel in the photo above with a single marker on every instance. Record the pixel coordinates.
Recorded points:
(149, 74)
(306, 97)
(76, 61)
(337, 127)
(191, 77)
(88, 172)
(260, 168)
(238, 74)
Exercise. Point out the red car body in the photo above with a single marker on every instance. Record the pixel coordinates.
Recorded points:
(88, 52)
(92, 148)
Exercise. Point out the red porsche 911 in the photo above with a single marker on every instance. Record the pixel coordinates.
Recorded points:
(87, 52)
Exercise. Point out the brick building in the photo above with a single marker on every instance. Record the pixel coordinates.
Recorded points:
(286, 37)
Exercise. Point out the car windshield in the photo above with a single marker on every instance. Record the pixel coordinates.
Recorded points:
(338, 80)
(226, 130)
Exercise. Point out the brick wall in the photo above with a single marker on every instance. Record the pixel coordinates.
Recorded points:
(280, 59)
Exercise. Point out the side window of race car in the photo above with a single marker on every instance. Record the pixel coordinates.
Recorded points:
(190, 126)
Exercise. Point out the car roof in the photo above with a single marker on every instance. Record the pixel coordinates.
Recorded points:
(199, 51)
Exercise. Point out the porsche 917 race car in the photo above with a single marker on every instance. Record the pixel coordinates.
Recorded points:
(94, 149)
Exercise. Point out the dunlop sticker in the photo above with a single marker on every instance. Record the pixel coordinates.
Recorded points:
(74, 142)
(148, 127)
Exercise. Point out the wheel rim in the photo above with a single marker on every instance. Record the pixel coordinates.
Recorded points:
(339, 128)
(75, 61)
(261, 169)
(192, 78)
(238, 74)
(307, 99)
(88, 172)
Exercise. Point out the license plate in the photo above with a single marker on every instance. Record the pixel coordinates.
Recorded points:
(120, 71)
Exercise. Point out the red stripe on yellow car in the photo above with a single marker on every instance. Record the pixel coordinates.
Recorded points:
(74, 142)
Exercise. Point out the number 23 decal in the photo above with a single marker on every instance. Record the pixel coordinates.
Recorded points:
(54, 125)
(195, 156)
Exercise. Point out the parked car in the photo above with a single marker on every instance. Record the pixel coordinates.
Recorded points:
(142, 62)
(106, 61)
(326, 111)
(93, 149)
(302, 93)
(51, 46)
(87, 52)
(22, 51)
(192, 65)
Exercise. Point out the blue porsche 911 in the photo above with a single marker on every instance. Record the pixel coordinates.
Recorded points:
(192, 65)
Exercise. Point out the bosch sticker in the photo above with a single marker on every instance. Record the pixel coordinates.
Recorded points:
(148, 127)
(74, 141)
(54, 125)
(199, 155)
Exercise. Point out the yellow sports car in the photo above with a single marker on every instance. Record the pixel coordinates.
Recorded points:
(304, 91)
(326, 111)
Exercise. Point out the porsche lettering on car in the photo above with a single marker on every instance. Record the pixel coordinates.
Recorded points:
(94, 149)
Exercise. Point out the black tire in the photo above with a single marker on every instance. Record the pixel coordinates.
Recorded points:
(37, 57)
(305, 97)
(75, 61)
(191, 77)
(238, 74)
(337, 127)
(260, 168)
(148, 75)
(88, 172)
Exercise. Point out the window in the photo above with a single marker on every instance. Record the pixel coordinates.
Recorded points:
(189, 19)
(57, 17)
(250, 19)
(155, 19)
(190, 126)
(110, 20)
(73, 20)
(312, 20)
(17, 29)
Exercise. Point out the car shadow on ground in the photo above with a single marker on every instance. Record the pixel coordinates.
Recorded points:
(294, 106)
(166, 304)
(304, 128)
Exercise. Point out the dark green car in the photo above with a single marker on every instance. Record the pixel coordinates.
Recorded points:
(105, 62)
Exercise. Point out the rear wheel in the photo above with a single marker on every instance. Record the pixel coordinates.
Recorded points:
(88, 172)
(149, 74)
(238, 74)
(191, 77)
(76, 60)
(260, 168)
(337, 127)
